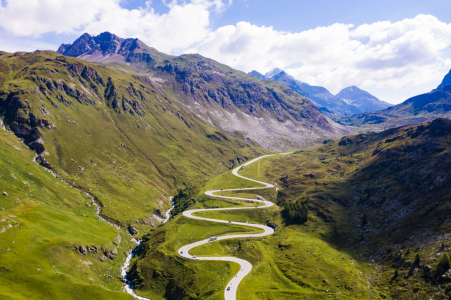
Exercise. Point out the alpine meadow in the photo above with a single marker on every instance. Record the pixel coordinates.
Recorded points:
(224, 150)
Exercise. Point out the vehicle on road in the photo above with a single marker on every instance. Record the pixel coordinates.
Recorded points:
(230, 221)
(194, 256)
(212, 239)
(228, 288)
(181, 252)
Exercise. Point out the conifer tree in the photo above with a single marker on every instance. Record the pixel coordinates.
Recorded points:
(364, 221)
(444, 263)
(417, 259)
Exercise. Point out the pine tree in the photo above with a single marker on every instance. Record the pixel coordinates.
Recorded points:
(364, 221)
(396, 273)
(444, 263)
(417, 259)
(408, 251)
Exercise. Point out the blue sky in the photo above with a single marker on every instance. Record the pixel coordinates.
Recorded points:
(393, 49)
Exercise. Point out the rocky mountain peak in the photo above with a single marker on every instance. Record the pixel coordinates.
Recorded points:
(446, 80)
(361, 99)
(257, 74)
(273, 72)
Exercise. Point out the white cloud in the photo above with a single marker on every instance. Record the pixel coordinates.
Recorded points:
(185, 24)
(392, 60)
(389, 59)
(12, 44)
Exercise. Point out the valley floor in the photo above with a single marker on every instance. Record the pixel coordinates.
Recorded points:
(293, 263)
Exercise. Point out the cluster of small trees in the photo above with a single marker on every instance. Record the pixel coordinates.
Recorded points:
(183, 200)
(295, 212)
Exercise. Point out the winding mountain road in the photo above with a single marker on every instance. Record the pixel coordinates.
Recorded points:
(246, 267)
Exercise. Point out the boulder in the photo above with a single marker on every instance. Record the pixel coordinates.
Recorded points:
(132, 230)
(93, 249)
(83, 250)
(111, 254)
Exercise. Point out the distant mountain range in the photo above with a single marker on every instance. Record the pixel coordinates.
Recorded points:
(361, 99)
(349, 101)
(416, 110)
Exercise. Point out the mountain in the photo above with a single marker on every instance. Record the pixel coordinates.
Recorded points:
(326, 102)
(361, 99)
(109, 48)
(111, 133)
(43, 222)
(446, 80)
(415, 110)
(378, 220)
(257, 74)
(117, 134)
(383, 198)
(273, 72)
(267, 113)
(295, 85)
(117, 137)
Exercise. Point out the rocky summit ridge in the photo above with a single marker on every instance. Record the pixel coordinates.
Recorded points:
(267, 113)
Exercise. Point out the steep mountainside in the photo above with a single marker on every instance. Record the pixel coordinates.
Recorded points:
(361, 99)
(385, 199)
(415, 110)
(393, 187)
(116, 134)
(257, 74)
(262, 111)
(446, 80)
(43, 223)
(379, 216)
(320, 96)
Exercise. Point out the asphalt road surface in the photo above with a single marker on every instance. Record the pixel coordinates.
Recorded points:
(246, 267)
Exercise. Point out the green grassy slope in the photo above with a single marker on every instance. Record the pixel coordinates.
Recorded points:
(112, 132)
(380, 197)
(42, 221)
(294, 263)
(159, 273)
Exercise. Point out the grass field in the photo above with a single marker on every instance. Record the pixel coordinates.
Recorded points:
(42, 220)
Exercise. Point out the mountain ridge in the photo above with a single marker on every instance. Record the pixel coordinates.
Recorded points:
(320, 96)
(265, 112)
(361, 99)
(415, 110)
